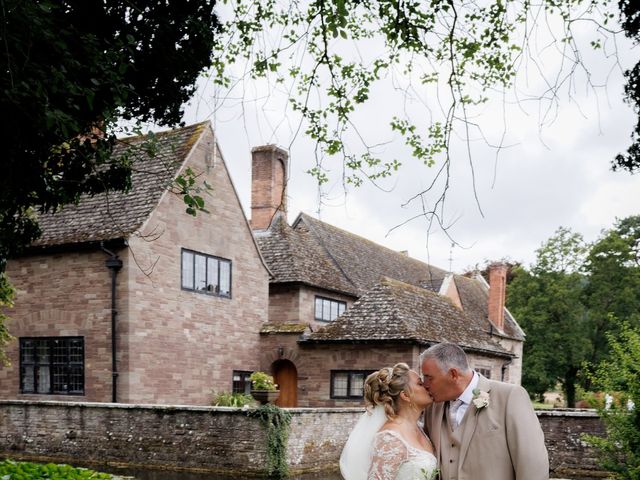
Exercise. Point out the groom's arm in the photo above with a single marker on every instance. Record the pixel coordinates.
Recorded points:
(525, 438)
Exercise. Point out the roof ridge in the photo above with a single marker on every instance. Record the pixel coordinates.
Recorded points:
(198, 125)
(303, 215)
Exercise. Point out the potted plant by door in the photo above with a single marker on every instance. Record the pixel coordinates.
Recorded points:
(263, 388)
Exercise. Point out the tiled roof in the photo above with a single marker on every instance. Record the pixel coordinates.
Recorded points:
(294, 255)
(319, 254)
(365, 262)
(118, 214)
(396, 311)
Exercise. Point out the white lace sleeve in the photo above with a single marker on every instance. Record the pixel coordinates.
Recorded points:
(388, 454)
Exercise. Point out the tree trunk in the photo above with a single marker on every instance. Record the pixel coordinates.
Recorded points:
(570, 387)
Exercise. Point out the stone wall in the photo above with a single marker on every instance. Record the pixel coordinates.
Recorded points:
(179, 345)
(224, 440)
(569, 455)
(214, 439)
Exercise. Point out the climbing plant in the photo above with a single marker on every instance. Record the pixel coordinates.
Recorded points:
(276, 422)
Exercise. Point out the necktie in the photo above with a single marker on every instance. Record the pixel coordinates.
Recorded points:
(453, 410)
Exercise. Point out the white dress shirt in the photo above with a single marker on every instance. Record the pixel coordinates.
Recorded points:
(466, 397)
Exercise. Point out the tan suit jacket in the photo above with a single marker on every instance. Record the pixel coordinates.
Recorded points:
(502, 441)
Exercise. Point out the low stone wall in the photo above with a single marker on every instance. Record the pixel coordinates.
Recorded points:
(223, 440)
(213, 439)
(569, 455)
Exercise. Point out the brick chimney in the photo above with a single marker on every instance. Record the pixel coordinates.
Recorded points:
(268, 184)
(497, 293)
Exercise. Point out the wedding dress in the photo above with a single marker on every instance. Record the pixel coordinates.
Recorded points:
(373, 455)
(395, 459)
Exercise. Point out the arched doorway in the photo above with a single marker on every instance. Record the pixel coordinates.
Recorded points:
(285, 375)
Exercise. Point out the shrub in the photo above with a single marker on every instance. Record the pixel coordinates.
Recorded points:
(27, 470)
(227, 399)
(619, 451)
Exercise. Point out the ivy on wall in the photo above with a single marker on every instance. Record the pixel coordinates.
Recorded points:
(276, 422)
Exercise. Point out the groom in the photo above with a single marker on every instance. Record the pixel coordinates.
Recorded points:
(481, 429)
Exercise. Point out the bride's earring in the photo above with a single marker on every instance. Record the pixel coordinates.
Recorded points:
(411, 405)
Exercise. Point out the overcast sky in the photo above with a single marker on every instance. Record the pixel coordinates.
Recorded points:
(557, 175)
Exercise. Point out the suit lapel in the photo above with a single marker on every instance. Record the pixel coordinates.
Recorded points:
(436, 421)
(470, 421)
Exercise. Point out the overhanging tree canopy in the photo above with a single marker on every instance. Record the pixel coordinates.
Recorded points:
(328, 56)
(69, 70)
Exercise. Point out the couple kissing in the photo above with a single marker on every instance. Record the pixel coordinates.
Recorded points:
(452, 423)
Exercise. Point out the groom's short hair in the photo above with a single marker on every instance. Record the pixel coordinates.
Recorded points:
(447, 355)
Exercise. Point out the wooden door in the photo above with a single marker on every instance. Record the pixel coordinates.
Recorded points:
(286, 376)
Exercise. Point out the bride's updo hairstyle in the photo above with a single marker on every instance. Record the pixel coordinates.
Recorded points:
(384, 386)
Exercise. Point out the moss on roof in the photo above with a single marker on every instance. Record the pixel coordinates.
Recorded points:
(283, 328)
(113, 215)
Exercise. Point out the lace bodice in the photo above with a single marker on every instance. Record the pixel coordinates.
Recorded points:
(395, 459)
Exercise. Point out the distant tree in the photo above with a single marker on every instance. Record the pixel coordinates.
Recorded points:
(547, 303)
(620, 449)
(612, 294)
(69, 70)
(572, 299)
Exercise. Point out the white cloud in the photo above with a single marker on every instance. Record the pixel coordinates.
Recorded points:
(550, 177)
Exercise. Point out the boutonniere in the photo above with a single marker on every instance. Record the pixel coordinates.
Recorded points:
(480, 399)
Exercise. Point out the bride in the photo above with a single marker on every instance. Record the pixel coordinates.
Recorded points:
(387, 442)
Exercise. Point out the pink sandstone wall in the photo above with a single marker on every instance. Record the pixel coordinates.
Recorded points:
(315, 362)
(63, 294)
(296, 303)
(174, 346)
(180, 345)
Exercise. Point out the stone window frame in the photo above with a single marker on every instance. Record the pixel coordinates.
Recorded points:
(243, 385)
(209, 288)
(67, 365)
(350, 375)
(341, 306)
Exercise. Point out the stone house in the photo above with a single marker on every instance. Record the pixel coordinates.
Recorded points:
(341, 306)
(127, 298)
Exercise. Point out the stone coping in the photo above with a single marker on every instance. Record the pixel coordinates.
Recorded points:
(568, 412)
(556, 412)
(151, 406)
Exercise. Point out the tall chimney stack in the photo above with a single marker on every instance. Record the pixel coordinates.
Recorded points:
(497, 293)
(268, 184)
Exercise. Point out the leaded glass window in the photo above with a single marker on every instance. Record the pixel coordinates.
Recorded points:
(52, 365)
